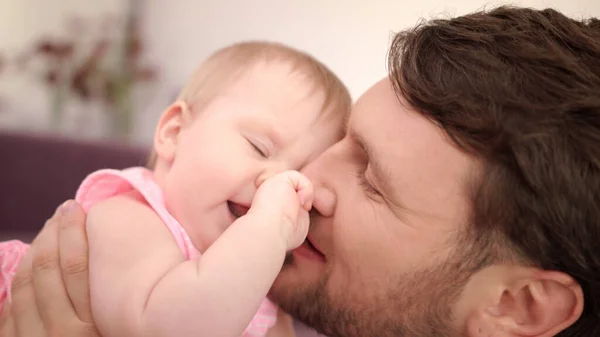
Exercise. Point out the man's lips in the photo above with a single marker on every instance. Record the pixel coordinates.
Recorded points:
(309, 251)
(236, 209)
(313, 245)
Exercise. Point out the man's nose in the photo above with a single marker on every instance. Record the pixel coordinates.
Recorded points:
(323, 172)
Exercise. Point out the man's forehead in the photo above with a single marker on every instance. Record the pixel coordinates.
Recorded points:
(387, 123)
(373, 112)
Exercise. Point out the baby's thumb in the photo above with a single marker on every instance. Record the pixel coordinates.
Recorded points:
(302, 228)
(304, 189)
(306, 197)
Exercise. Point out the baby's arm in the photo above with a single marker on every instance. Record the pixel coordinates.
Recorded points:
(141, 284)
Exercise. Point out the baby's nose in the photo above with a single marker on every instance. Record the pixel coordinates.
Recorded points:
(268, 173)
(261, 179)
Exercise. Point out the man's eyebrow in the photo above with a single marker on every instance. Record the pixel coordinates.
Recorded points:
(378, 171)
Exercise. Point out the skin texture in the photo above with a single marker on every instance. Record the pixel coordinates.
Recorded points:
(212, 165)
(270, 120)
(386, 239)
(391, 200)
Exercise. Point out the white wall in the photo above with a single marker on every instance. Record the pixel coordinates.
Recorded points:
(24, 102)
(351, 36)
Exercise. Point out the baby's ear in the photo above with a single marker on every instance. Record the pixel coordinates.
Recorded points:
(168, 130)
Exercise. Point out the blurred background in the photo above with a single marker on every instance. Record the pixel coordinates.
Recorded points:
(98, 69)
(83, 82)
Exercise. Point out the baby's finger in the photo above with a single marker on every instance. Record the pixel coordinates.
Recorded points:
(304, 189)
(302, 226)
(306, 199)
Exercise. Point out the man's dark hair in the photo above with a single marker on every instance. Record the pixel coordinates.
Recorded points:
(519, 89)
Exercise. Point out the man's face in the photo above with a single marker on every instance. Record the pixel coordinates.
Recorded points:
(391, 197)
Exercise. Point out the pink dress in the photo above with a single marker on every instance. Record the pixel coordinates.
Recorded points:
(104, 184)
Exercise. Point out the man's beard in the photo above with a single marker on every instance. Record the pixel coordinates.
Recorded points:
(419, 305)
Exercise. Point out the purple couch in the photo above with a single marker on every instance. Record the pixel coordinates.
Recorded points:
(39, 172)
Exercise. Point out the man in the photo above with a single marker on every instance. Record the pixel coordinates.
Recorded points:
(464, 200)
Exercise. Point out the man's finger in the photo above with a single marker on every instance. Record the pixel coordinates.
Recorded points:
(74, 261)
(23, 309)
(7, 326)
(50, 293)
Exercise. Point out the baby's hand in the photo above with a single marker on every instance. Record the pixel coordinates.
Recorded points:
(284, 201)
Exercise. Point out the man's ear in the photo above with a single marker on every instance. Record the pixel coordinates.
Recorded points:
(523, 302)
(168, 130)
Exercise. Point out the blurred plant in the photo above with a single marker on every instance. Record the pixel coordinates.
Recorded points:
(102, 69)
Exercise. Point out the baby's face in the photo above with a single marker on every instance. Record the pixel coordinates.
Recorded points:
(267, 122)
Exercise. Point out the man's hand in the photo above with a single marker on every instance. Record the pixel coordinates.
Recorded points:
(50, 292)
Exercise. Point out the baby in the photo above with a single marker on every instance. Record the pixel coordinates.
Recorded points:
(192, 246)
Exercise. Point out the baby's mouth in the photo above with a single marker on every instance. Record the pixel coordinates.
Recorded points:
(236, 209)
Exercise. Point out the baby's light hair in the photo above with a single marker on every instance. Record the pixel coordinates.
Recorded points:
(221, 69)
